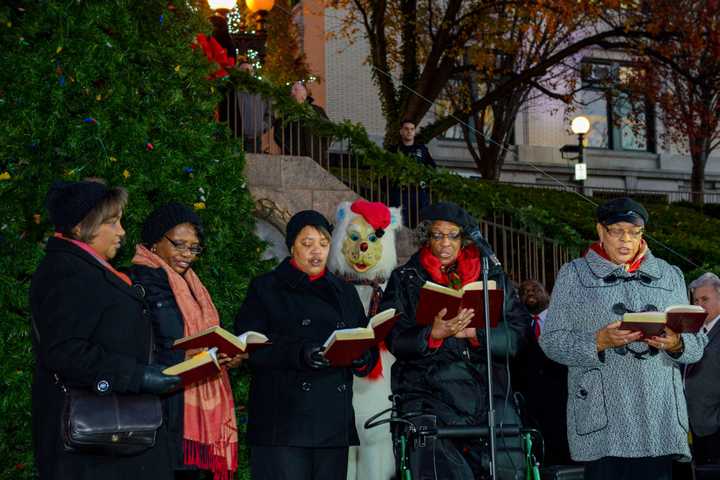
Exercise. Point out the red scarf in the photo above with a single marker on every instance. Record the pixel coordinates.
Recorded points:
(466, 268)
(630, 266)
(311, 277)
(103, 261)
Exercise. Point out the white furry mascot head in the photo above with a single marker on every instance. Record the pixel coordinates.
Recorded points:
(363, 241)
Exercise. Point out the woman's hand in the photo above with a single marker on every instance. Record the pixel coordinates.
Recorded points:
(467, 333)
(668, 341)
(611, 337)
(442, 328)
(231, 362)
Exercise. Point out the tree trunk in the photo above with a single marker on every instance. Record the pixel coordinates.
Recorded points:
(697, 180)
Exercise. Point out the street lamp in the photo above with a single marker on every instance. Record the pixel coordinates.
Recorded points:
(222, 7)
(580, 126)
(259, 9)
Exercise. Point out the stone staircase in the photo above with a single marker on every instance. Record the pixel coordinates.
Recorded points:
(284, 185)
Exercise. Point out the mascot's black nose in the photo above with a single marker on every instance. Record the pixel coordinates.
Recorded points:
(363, 247)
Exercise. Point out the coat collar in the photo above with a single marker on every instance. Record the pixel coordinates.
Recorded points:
(603, 268)
(295, 278)
(65, 247)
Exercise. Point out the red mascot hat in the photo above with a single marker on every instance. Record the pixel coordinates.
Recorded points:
(377, 214)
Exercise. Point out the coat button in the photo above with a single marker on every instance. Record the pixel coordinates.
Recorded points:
(305, 386)
(341, 388)
(103, 386)
(340, 325)
(158, 304)
(306, 322)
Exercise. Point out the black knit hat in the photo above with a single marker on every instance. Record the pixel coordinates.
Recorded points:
(165, 218)
(68, 203)
(622, 210)
(449, 212)
(301, 220)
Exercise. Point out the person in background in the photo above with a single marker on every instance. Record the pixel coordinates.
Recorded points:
(250, 118)
(201, 418)
(542, 382)
(413, 198)
(702, 379)
(627, 417)
(90, 330)
(300, 415)
(296, 137)
(440, 369)
(407, 145)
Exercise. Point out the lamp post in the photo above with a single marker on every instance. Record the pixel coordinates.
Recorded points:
(580, 126)
(219, 21)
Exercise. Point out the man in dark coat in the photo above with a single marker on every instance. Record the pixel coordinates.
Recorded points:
(413, 198)
(91, 330)
(702, 387)
(441, 368)
(301, 420)
(542, 382)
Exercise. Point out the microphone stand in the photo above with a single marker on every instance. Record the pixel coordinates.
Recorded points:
(491, 401)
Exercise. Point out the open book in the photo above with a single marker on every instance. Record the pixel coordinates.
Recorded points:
(196, 368)
(434, 297)
(679, 318)
(344, 346)
(224, 341)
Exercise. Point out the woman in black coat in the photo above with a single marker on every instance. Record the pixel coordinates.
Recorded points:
(301, 419)
(441, 369)
(91, 330)
(172, 236)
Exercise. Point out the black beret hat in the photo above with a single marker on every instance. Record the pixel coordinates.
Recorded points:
(165, 218)
(449, 212)
(301, 220)
(68, 203)
(622, 210)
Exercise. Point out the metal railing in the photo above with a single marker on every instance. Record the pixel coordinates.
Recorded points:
(264, 130)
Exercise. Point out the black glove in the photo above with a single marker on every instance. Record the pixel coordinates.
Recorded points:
(313, 358)
(363, 361)
(154, 381)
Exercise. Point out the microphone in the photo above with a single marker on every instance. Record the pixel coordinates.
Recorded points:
(483, 245)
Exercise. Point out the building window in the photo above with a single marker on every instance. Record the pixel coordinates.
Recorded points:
(616, 123)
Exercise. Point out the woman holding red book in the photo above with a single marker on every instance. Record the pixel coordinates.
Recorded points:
(300, 415)
(441, 368)
(626, 411)
(201, 418)
(91, 331)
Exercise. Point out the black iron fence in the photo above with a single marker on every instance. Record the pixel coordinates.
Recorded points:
(265, 130)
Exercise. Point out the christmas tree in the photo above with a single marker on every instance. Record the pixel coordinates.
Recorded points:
(111, 89)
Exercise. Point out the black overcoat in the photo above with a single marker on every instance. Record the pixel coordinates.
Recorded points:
(168, 326)
(94, 332)
(291, 404)
(449, 381)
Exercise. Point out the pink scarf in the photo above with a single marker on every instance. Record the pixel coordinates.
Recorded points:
(210, 437)
(103, 261)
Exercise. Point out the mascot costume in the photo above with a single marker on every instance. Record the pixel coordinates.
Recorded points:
(363, 253)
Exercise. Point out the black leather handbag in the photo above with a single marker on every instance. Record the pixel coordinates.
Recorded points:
(114, 424)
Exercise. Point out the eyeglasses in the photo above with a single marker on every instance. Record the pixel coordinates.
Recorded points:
(438, 236)
(616, 232)
(182, 248)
